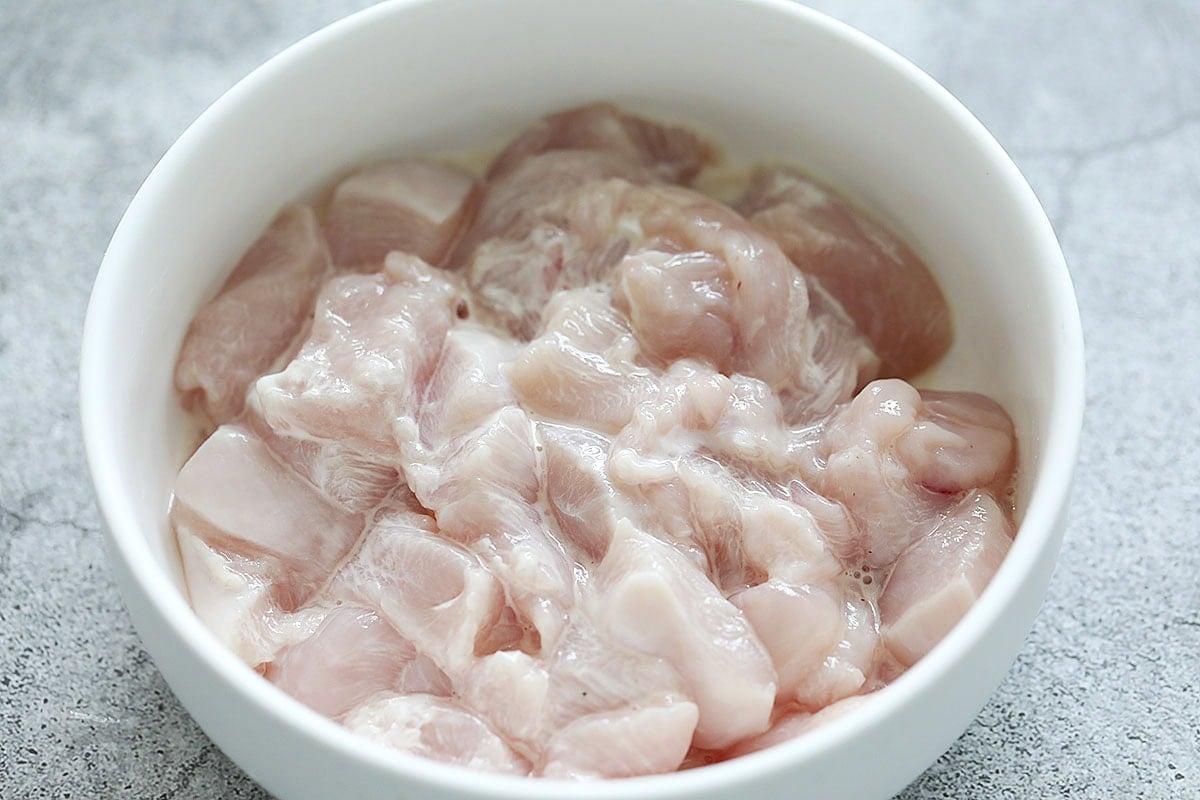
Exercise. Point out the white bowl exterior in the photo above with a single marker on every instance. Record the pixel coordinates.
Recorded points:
(765, 79)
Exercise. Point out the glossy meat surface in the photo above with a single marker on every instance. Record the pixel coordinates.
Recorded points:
(412, 206)
(885, 288)
(574, 472)
(256, 315)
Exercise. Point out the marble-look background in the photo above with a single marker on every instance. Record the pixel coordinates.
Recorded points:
(1099, 103)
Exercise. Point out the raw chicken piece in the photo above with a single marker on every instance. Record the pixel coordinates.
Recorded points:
(794, 723)
(697, 510)
(681, 299)
(653, 600)
(756, 274)
(236, 496)
(838, 360)
(436, 728)
(755, 288)
(683, 495)
(822, 638)
(892, 460)
(511, 690)
(736, 530)
(884, 286)
(261, 308)
(528, 198)
(412, 206)
(433, 592)
(623, 744)
(937, 580)
(548, 226)
(496, 458)
(374, 343)
(581, 369)
(784, 541)
(692, 408)
(231, 595)
(680, 307)
(340, 473)
(582, 499)
(483, 487)
(530, 700)
(703, 453)
(468, 384)
(590, 672)
(960, 441)
(784, 729)
(536, 572)
(674, 154)
(753, 294)
(351, 657)
(837, 526)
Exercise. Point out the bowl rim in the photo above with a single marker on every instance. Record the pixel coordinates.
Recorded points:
(128, 543)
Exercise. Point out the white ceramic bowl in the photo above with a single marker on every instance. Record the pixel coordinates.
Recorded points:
(763, 78)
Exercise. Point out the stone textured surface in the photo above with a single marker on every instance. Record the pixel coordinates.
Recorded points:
(1099, 103)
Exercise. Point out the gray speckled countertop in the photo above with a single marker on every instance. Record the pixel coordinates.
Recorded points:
(1099, 103)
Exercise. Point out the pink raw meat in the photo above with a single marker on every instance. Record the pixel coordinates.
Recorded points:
(434, 593)
(581, 498)
(496, 457)
(784, 728)
(262, 307)
(822, 638)
(680, 306)
(838, 360)
(683, 299)
(536, 571)
(352, 656)
(373, 346)
(581, 369)
(754, 286)
(236, 496)
(412, 206)
(653, 600)
(591, 672)
(895, 462)
(343, 475)
(605, 218)
(702, 454)
(753, 296)
(521, 249)
(526, 200)
(530, 700)
(435, 728)
(785, 541)
(693, 408)
(468, 384)
(960, 441)
(697, 510)
(483, 487)
(617, 491)
(623, 744)
(937, 580)
(674, 154)
(663, 459)
(511, 690)
(231, 594)
(884, 286)
(794, 723)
